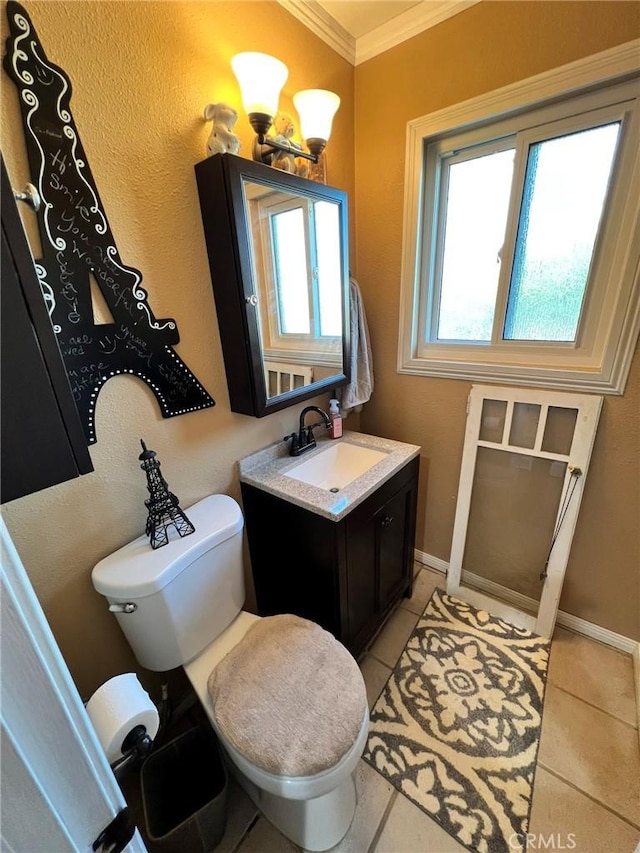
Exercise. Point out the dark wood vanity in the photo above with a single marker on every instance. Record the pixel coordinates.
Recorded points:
(346, 575)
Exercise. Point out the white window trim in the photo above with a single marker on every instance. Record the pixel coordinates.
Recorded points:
(609, 375)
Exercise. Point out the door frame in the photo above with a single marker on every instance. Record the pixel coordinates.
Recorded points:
(58, 790)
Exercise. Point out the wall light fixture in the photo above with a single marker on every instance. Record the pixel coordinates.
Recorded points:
(261, 78)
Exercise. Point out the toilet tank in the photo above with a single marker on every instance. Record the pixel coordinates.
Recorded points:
(181, 596)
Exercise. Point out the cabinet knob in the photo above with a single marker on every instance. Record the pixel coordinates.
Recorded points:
(29, 196)
(386, 521)
(252, 300)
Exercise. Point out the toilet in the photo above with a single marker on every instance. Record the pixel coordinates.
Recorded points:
(290, 708)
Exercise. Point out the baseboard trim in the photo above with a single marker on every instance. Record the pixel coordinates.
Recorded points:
(529, 605)
(431, 562)
(636, 670)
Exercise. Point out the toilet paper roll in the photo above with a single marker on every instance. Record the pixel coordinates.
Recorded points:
(117, 707)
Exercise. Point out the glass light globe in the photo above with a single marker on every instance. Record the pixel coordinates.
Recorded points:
(316, 108)
(261, 77)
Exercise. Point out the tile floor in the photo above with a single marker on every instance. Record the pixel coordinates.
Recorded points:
(587, 788)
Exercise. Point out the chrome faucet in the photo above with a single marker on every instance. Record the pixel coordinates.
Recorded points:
(305, 439)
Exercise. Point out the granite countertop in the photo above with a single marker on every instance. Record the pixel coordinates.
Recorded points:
(265, 470)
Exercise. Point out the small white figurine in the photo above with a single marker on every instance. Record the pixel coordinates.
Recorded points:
(284, 129)
(221, 139)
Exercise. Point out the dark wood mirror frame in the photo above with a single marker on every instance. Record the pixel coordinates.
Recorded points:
(220, 182)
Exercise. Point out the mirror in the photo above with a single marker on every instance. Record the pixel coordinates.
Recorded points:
(278, 254)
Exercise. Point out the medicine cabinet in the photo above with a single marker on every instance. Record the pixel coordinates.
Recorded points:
(278, 254)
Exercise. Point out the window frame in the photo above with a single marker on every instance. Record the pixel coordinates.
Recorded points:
(600, 359)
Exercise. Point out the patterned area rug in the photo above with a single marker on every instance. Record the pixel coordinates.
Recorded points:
(457, 727)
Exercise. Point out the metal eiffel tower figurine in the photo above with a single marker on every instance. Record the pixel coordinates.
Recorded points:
(163, 507)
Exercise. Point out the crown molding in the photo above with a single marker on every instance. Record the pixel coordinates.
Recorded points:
(404, 26)
(320, 22)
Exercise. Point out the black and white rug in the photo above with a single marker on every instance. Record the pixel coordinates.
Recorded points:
(457, 727)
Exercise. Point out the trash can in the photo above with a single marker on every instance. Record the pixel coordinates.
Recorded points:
(184, 793)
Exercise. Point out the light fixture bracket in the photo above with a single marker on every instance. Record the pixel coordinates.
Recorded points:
(265, 146)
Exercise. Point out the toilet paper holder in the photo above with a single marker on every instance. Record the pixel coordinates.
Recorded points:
(125, 720)
(135, 748)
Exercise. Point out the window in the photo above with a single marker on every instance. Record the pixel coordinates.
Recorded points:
(519, 245)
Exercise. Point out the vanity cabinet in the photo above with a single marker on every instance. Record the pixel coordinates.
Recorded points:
(345, 575)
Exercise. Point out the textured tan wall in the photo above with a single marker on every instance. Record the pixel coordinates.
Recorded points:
(485, 47)
(142, 74)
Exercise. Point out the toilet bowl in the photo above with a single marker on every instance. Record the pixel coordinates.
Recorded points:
(181, 605)
(314, 811)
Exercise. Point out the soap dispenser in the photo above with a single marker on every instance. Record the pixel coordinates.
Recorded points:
(336, 419)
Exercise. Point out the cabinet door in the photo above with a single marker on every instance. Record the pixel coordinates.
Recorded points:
(391, 535)
(295, 559)
(361, 610)
(42, 441)
(239, 200)
(380, 540)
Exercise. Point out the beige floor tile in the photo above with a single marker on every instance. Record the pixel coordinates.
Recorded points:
(596, 752)
(408, 829)
(265, 838)
(375, 676)
(423, 585)
(240, 812)
(598, 674)
(564, 818)
(392, 639)
(374, 793)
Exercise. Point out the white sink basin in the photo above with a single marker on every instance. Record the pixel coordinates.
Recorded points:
(337, 466)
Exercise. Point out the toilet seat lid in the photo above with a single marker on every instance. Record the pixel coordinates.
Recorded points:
(289, 697)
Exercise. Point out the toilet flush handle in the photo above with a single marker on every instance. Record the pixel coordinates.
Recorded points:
(125, 607)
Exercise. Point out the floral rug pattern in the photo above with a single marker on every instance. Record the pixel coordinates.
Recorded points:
(457, 727)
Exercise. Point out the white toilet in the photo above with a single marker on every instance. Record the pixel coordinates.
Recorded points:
(181, 605)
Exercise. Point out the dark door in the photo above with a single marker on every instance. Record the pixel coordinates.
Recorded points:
(42, 442)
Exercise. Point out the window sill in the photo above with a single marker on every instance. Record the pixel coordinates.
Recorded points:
(559, 379)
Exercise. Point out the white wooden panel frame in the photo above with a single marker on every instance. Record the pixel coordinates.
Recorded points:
(588, 407)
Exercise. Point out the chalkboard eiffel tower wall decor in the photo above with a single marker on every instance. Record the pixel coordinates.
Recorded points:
(77, 243)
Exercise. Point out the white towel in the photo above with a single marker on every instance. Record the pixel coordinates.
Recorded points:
(360, 386)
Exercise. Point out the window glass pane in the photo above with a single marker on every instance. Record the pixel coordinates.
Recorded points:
(329, 269)
(290, 262)
(559, 430)
(272, 383)
(514, 504)
(524, 424)
(476, 214)
(564, 194)
(494, 414)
